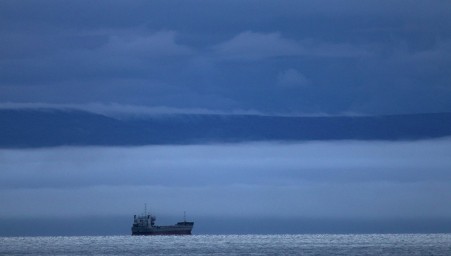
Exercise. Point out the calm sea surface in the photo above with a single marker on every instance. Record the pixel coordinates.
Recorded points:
(405, 244)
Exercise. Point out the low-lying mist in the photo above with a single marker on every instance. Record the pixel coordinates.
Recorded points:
(346, 179)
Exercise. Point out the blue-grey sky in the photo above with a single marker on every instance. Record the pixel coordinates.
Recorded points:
(197, 56)
(286, 57)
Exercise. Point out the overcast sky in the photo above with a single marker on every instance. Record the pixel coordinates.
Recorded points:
(255, 56)
(288, 57)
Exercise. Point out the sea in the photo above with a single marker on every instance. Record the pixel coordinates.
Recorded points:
(320, 244)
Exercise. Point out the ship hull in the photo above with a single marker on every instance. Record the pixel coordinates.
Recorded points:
(179, 229)
(161, 233)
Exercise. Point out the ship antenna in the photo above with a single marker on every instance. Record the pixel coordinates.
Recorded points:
(184, 216)
(145, 209)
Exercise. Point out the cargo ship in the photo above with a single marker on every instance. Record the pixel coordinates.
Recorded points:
(144, 225)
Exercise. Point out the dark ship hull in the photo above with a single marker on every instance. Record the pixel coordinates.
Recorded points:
(144, 225)
(181, 228)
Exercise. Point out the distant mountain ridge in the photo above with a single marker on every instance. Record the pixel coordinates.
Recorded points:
(24, 128)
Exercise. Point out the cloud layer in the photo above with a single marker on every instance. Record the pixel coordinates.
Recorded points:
(334, 179)
(377, 57)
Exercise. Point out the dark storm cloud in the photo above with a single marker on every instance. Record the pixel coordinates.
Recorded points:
(331, 179)
(370, 57)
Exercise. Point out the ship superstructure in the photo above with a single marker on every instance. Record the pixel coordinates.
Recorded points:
(145, 225)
